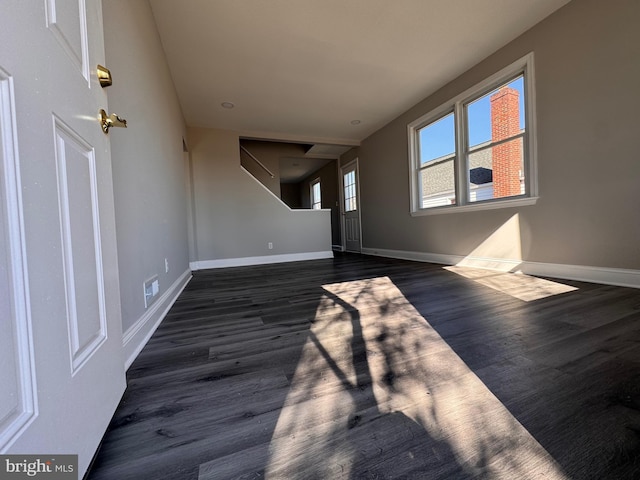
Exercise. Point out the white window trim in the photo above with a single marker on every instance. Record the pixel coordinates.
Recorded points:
(456, 104)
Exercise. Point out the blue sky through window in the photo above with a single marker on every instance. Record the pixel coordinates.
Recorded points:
(438, 139)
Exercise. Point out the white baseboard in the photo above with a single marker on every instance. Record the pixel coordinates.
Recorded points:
(248, 261)
(138, 334)
(608, 276)
(415, 256)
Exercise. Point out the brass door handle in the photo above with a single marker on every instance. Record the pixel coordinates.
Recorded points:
(112, 120)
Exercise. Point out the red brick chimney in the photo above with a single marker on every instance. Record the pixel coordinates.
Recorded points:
(507, 158)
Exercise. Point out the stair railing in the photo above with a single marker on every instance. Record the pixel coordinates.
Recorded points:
(264, 167)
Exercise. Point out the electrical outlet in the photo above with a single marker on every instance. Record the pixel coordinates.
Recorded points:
(270, 245)
(166, 266)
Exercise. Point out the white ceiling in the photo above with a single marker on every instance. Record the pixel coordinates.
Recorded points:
(303, 70)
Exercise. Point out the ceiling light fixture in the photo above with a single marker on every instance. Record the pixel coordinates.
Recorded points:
(355, 122)
(227, 105)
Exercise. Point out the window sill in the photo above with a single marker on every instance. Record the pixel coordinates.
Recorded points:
(475, 207)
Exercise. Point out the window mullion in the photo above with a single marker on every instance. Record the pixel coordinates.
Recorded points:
(462, 184)
(495, 144)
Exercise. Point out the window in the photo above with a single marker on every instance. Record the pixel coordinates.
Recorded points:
(477, 151)
(316, 199)
(350, 191)
(436, 172)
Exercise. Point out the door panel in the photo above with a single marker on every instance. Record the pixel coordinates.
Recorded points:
(80, 227)
(69, 336)
(351, 208)
(353, 233)
(17, 375)
(67, 20)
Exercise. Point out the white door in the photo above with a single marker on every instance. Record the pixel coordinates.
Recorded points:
(61, 366)
(351, 208)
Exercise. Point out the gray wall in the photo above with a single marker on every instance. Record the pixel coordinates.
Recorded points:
(587, 77)
(148, 161)
(235, 215)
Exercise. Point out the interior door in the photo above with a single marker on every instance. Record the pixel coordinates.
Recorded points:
(351, 208)
(62, 370)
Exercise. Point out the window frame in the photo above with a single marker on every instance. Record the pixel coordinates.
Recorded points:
(523, 66)
(312, 194)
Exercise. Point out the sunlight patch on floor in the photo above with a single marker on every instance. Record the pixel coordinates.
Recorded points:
(407, 382)
(315, 414)
(518, 285)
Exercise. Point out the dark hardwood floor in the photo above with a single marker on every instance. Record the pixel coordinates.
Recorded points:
(370, 368)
